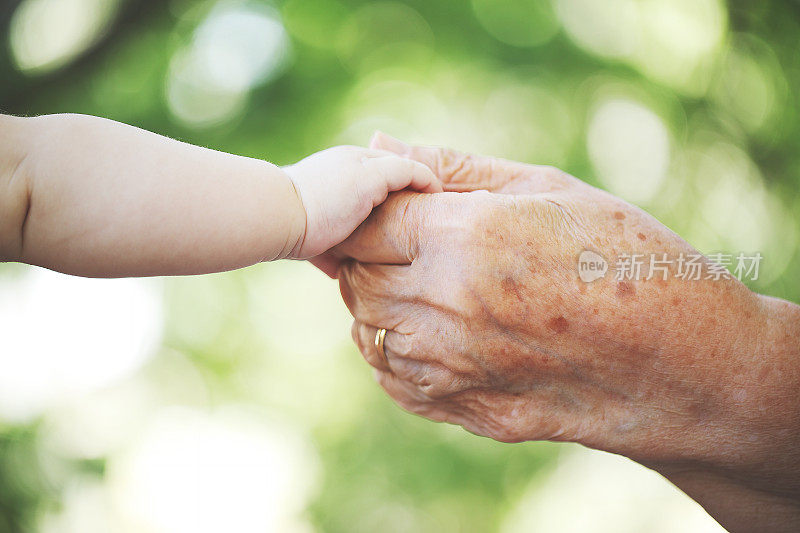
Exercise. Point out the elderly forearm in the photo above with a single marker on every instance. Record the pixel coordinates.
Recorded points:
(94, 197)
(736, 506)
(752, 482)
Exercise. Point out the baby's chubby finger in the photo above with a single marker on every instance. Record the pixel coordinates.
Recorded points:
(399, 173)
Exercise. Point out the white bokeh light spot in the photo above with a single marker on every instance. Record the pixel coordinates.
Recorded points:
(630, 149)
(65, 335)
(674, 42)
(47, 34)
(197, 472)
(236, 48)
(605, 28)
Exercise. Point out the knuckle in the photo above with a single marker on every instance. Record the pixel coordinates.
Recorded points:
(402, 396)
(436, 381)
(439, 385)
(455, 165)
(550, 173)
(410, 370)
(400, 345)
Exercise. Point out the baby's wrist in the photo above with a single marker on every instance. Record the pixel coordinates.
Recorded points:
(299, 218)
(15, 181)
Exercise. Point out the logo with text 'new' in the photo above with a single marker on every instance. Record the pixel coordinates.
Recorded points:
(591, 266)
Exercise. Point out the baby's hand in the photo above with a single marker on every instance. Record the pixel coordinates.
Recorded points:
(340, 186)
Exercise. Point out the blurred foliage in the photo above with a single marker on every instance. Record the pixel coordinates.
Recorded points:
(713, 102)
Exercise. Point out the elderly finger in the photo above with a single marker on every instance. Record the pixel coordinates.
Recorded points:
(458, 171)
(461, 172)
(377, 294)
(366, 338)
(399, 357)
(393, 232)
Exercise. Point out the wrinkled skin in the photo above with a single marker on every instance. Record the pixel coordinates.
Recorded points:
(491, 328)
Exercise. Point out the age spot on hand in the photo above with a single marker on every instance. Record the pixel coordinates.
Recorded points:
(625, 289)
(619, 215)
(509, 286)
(558, 324)
(642, 236)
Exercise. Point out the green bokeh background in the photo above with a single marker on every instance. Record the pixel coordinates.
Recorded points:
(707, 87)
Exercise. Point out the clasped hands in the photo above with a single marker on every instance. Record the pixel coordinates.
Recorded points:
(489, 323)
(490, 327)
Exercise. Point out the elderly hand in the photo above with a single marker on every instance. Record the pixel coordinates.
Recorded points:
(490, 327)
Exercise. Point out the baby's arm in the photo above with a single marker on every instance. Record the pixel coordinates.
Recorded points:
(93, 197)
